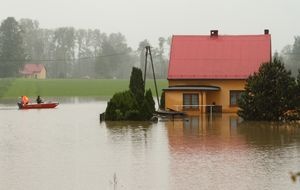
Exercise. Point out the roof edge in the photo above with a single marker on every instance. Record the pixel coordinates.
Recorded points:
(192, 88)
(208, 78)
(222, 35)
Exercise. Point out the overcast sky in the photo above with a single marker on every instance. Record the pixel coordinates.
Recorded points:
(150, 19)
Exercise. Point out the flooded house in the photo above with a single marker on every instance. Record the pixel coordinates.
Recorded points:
(210, 71)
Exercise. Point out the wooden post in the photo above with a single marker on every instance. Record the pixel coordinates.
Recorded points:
(153, 74)
(201, 102)
(204, 101)
(148, 50)
(211, 113)
(145, 69)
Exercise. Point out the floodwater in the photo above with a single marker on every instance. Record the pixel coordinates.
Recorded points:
(67, 148)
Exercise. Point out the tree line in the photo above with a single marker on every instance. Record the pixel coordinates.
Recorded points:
(73, 53)
(290, 54)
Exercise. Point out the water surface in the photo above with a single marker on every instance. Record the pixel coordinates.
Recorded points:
(68, 149)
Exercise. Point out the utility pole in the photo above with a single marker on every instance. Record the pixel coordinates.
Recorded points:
(148, 51)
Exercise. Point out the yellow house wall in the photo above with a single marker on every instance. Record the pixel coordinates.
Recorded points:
(221, 123)
(172, 99)
(42, 74)
(221, 97)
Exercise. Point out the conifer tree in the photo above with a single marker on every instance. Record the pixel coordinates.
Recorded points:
(149, 99)
(131, 104)
(136, 85)
(269, 93)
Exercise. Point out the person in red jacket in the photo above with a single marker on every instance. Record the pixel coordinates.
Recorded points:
(24, 100)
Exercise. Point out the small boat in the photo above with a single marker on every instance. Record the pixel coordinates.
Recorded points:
(169, 112)
(38, 106)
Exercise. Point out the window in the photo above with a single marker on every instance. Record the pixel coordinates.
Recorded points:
(190, 101)
(235, 95)
(191, 125)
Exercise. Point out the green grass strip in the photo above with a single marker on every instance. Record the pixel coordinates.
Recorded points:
(69, 87)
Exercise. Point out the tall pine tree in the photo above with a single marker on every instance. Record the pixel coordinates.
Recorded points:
(136, 85)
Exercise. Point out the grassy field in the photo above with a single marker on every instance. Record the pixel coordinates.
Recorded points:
(11, 88)
(4, 85)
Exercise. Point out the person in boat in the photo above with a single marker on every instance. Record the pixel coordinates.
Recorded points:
(39, 100)
(24, 100)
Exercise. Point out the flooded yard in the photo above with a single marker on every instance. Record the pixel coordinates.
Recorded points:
(68, 148)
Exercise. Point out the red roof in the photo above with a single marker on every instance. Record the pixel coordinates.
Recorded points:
(30, 69)
(218, 57)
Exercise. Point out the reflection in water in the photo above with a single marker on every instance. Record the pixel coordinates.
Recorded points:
(67, 148)
(270, 134)
(226, 153)
(140, 154)
(135, 131)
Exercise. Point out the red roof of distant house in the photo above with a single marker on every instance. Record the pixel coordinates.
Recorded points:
(30, 69)
(218, 57)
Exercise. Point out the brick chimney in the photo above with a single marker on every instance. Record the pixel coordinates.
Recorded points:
(266, 31)
(214, 33)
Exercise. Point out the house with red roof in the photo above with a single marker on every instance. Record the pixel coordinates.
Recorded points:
(211, 70)
(36, 71)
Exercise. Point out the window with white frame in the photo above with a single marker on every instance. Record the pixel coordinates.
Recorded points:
(190, 101)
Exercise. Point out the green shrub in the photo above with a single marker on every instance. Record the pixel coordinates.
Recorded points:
(133, 104)
(132, 115)
(119, 104)
(150, 101)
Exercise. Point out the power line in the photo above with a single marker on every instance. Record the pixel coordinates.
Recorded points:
(53, 60)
